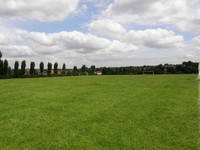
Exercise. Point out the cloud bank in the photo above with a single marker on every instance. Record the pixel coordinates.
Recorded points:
(121, 32)
(184, 14)
(41, 10)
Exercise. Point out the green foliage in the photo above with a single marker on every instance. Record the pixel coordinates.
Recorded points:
(75, 71)
(188, 67)
(91, 70)
(23, 67)
(32, 69)
(104, 71)
(49, 68)
(5, 67)
(1, 67)
(41, 67)
(64, 69)
(16, 69)
(184, 68)
(108, 112)
(56, 68)
(0, 54)
(83, 69)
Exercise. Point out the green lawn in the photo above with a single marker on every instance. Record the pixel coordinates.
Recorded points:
(100, 112)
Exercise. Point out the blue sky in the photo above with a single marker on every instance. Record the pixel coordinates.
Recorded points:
(101, 33)
(75, 21)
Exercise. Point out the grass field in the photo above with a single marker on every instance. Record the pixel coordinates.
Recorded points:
(100, 112)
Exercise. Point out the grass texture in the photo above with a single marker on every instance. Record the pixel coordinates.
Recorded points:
(153, 112)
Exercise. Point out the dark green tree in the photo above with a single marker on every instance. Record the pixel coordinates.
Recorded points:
(16, 69)
(41, 67)
(75, 71)
(32, 68)
(23, 67)
(83, 69)
(1, 67)
(92, 68)
(5, 67)
(49, 68)
(56, 68)
(64, 69)
(0, 54)
(104, 71)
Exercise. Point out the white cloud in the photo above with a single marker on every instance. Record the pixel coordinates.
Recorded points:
(154, 38)
(195, 48)
(149, 38)
(3, 39)
(196, 40)
(42, 10)
(184, 14)
(106, 27)
(76, 46)
(18, 50)
(112, 38)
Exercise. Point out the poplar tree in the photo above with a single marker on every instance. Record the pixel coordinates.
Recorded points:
(1, 65)
(64, 69)
(56, 68)
(41, 67)
(49, 68)
(5, 67)
(23, 67)
(32, 68)
(16, 69)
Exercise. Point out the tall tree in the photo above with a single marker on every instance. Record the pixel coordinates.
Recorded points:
(32, 68)
(56, 68)
(49, 68)
(75, 69)
(41, 67)
(16, 69)
(23, 67)
(83, 69)
(64, 69)
(5, 67)
(1, 67)
(92, 69)
(0, 54)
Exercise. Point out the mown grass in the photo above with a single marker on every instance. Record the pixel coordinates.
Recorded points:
(100, 112)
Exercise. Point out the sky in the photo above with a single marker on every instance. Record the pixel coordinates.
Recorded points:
(100, 32)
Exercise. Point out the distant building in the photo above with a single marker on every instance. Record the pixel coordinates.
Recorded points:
(59, 72)
(98, 72)
(52, 71)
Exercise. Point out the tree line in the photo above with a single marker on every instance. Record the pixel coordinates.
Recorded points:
(17, 71)
(184, 68)
(52, 69)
